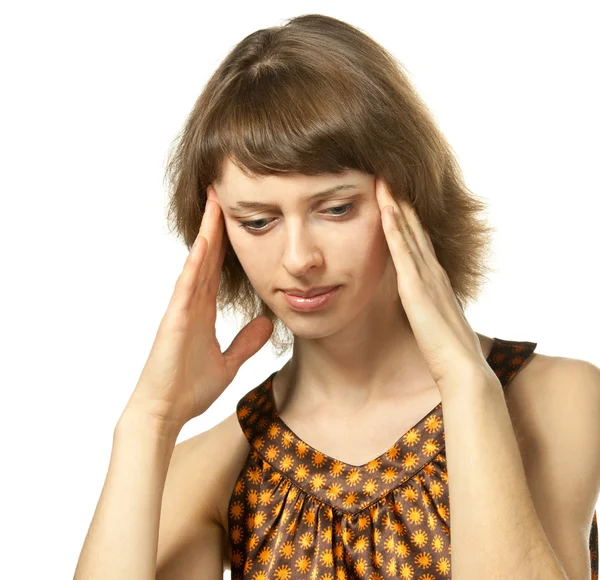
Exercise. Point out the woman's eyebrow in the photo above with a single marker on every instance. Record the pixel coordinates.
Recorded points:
(320, 194)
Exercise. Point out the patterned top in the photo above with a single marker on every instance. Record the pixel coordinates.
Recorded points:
(296, 513)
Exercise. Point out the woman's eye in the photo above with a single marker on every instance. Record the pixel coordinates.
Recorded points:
(254, 225)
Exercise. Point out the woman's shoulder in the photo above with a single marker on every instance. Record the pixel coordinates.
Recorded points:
(220, 452)
(548, 375)
(549, 400)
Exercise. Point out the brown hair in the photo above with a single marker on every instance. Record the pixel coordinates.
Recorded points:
(319, 95)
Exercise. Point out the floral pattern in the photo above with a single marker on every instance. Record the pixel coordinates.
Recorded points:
(296, 513)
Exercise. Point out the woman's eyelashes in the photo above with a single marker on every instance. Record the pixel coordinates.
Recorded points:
(251, 226)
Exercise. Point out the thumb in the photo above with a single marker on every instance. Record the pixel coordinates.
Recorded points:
(248, 342)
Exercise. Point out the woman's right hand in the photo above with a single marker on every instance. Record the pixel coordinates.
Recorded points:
(186, 370)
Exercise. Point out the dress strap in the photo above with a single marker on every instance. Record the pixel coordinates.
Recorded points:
(507, 357)
(255, 411)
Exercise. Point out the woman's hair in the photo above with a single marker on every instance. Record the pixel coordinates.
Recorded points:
(318, 95)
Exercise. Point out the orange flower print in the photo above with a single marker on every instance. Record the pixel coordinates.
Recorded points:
(283, 573)
(353, 477)
(419, 538)
(406, 571)
(370, 486)
(436, 489)
(444, 512)
(326, 558)
(402, 549)
(336, 469)
(350, 499)
(428, 469)
(410, 460)
(236, 534)
(317, 482)
(437, 543)
(252, 498)
(443, 566)
(264, 555)
(296, 512)
(399, 528)
(286, 463)
(411, 437)
(363, 521)
(301, 472)
(273, 431)
(347, 536)
(266, 497)
(334, 491)
(272, 452)
(327, 535)
(247, 565)
(361, 545)
(236, 510)
(423, 560)
(360, 566)
(318, 459)
(433, 424)
(377, 559)
(309, 518)
(389, 545)
(303, 564)
(393, 453)
(391, 568)
(409, 493)
(287, 439)
(287, 549)
(252, 542)
(301, 449)
(430, 447)
(389, 474)
(254, 475)
(415, 515)
(306, 540)
(373, 466)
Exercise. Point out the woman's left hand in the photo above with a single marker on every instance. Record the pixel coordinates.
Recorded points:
(449, 345)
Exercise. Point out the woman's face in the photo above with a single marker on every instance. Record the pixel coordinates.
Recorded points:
(295, 241)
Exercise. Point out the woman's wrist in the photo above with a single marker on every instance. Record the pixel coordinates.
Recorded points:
(140, 420)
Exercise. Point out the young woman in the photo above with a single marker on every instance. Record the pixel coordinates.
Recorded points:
(281, 183)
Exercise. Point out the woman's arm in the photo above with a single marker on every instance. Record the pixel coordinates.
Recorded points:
(121, 543)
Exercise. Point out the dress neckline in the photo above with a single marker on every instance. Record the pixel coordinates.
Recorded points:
(418, 457)
(276, 419)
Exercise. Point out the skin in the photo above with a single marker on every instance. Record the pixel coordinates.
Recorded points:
(359, 352)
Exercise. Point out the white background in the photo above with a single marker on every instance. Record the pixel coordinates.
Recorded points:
(94, 93)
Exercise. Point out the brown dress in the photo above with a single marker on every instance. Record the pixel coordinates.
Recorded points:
(296, 513)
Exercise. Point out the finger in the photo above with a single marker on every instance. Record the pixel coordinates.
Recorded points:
(421, 236)
(203, 260)
(215, 236)
(430, 244)
(409, 245)
(185, 286)
(410, 234)
(385, 198)
(223, 242)
(400, 249)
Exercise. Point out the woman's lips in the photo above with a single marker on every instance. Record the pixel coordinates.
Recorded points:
(303, 304)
